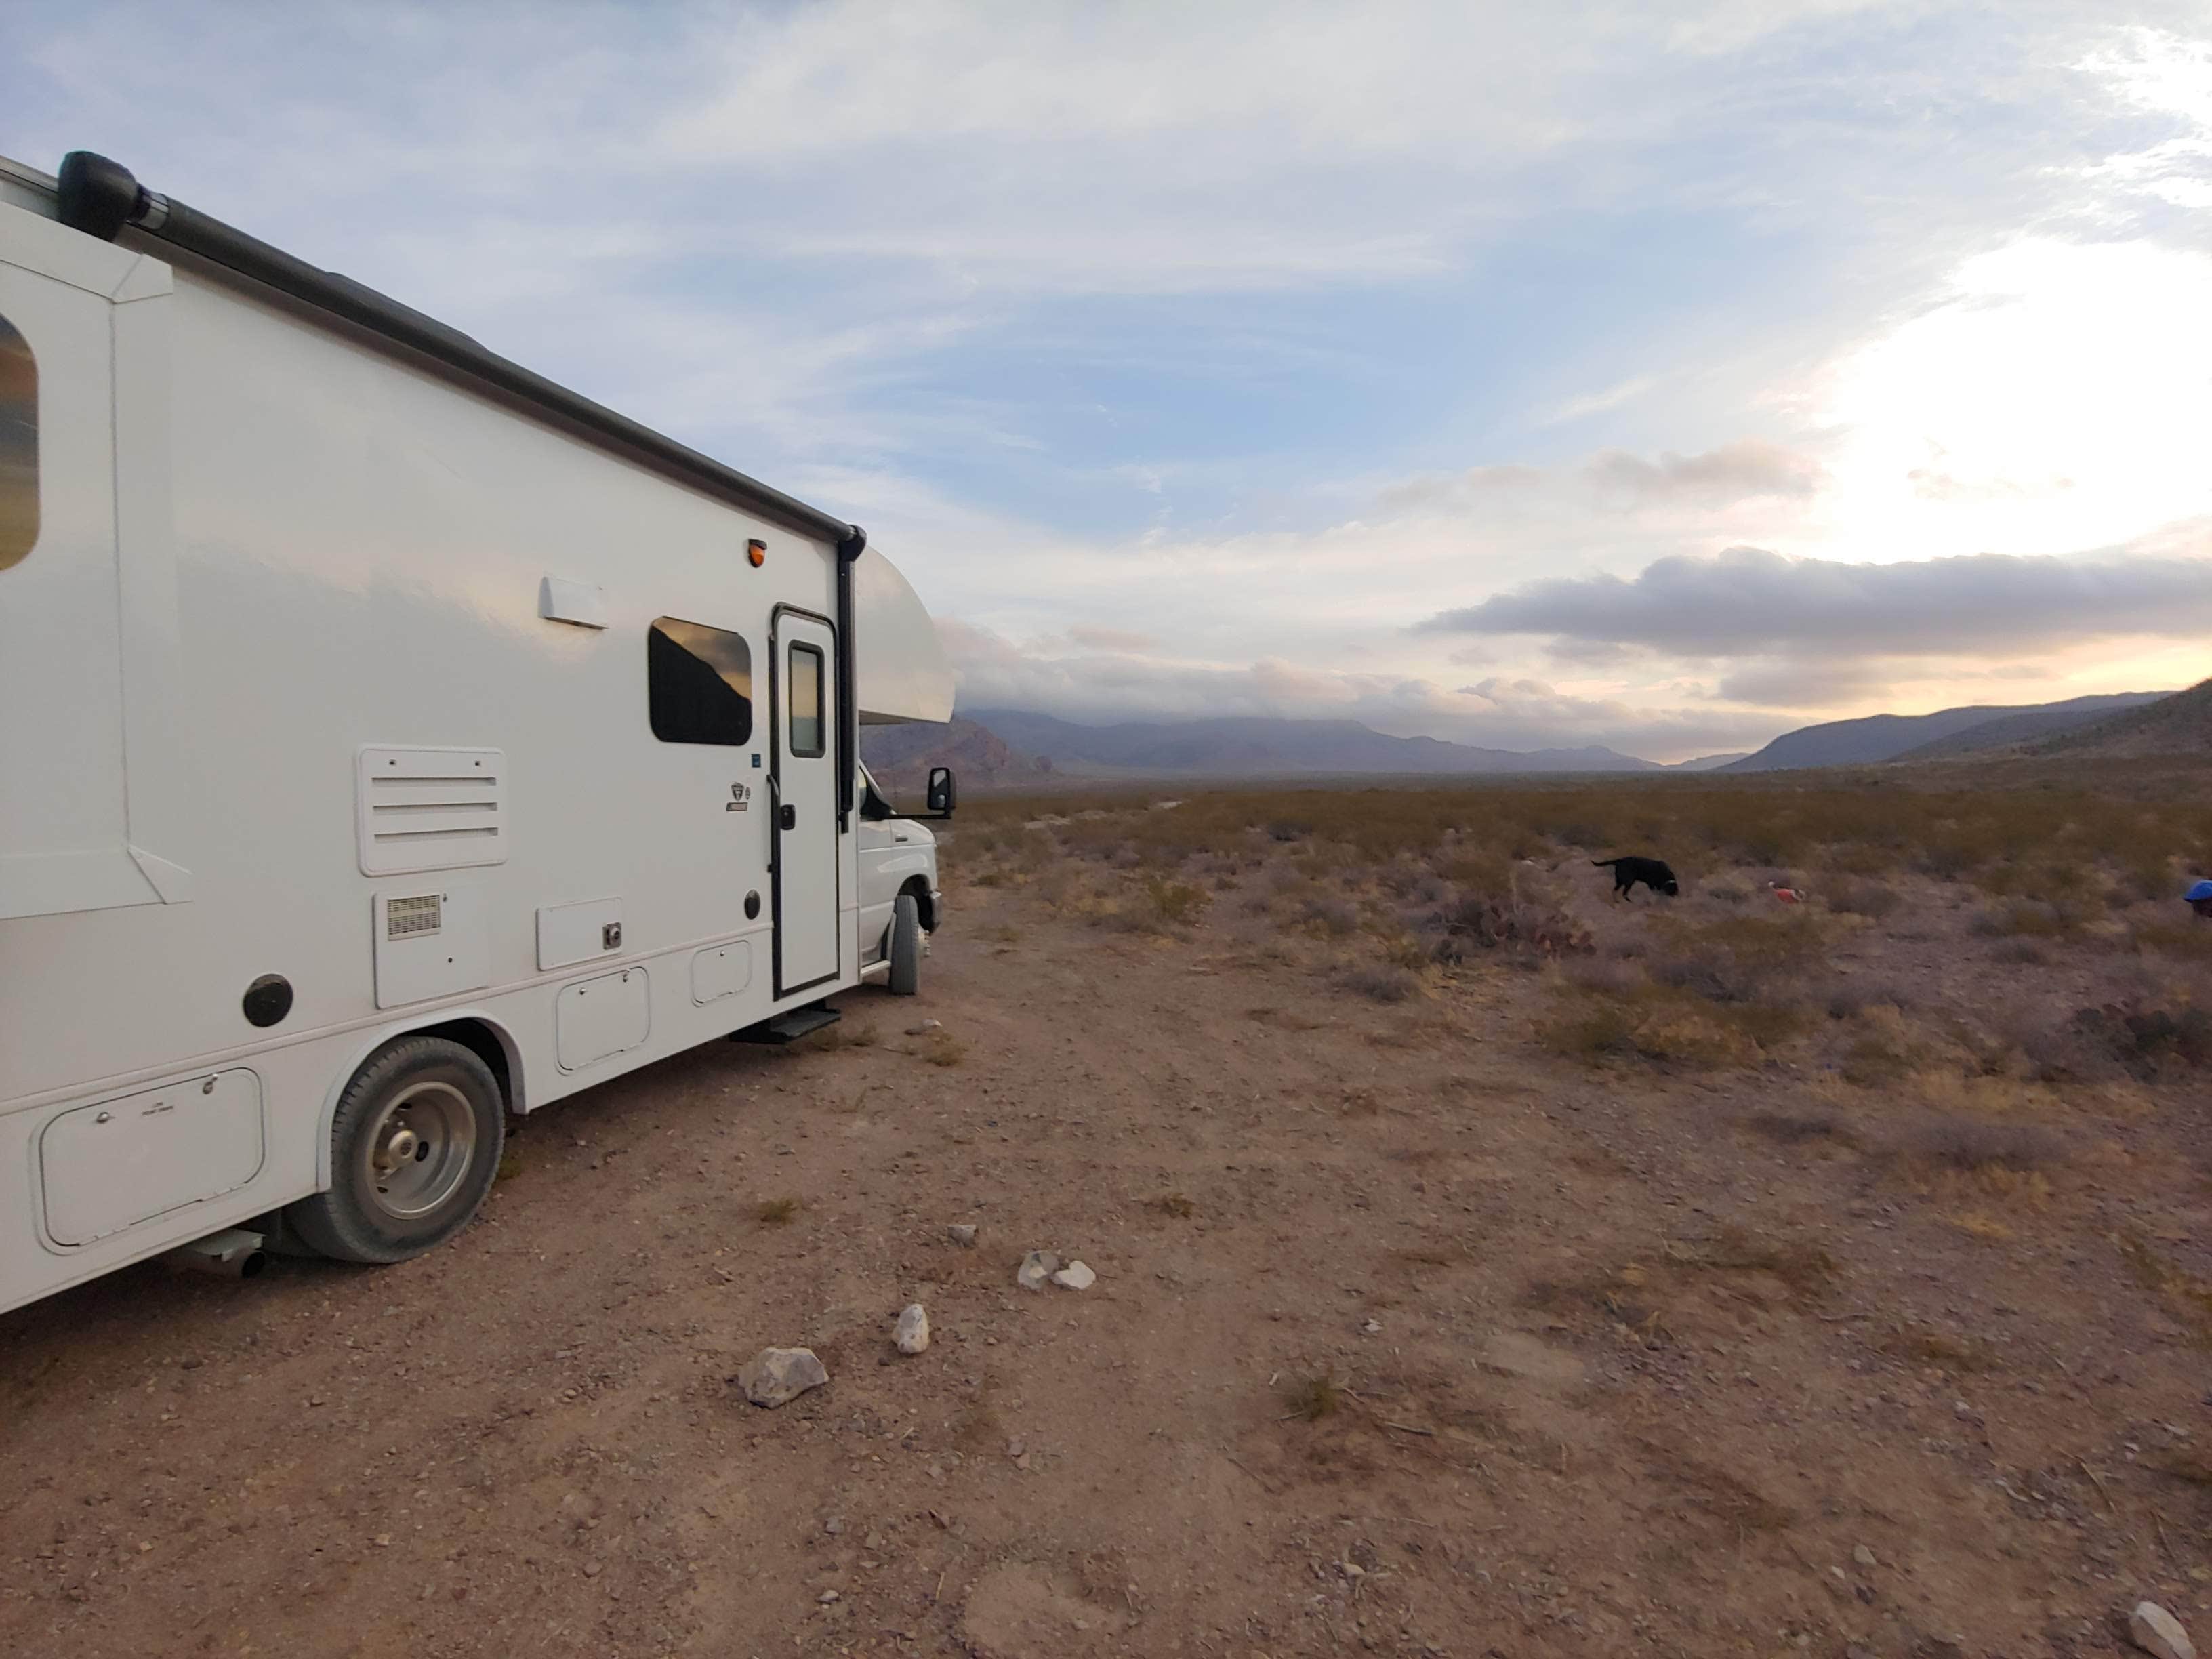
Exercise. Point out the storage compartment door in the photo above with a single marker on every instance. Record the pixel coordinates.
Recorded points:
(91, 783)
(601, 1018)
(108, 1167)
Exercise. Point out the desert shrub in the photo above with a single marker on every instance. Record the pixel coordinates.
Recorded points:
(1741, 959)
(1797, 1128)
(1312, 1398)
(1382, 982)
(2191, 941)
(1604, 976)
(1176, 902)
(941, 1048)
(1460, 932)
(2139, 833)
(1955, 1141)
(1860, 897)
(2021, 953)
(2146, 1041)
(1590, 1031)
(1849, 999)
(1663, 1027)
(1329, 918)
(2024, 918)
(2188, 1293)
(1883, 1049)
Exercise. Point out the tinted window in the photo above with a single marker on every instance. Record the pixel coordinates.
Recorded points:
(807, 702)
(699, 683)
(18, 446)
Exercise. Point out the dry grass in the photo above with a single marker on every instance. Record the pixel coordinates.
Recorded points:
(1979, 1224)
(846, 1033)
(1667, 1026)
(2190, 1295)
(1177, 1204)
(1312, 1398)
(1382, 982)
(1807, 1269)
(1924, 1344)
(941, 1048)
(1859, 896)
(2135, 835)
(777, 1212)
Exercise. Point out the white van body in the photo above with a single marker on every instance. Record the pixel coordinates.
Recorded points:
(324, 682)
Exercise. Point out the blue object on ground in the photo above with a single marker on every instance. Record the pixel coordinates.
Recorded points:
(2200, 893)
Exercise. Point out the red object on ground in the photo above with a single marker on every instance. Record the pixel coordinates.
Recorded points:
(1786, 894)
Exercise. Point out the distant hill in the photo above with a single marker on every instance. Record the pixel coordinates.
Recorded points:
(1259, 746)
(900, 756)
(2179, 725)
(1876, 738)
(1711, 763)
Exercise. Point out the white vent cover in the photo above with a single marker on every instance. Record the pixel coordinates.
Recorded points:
(430, 809)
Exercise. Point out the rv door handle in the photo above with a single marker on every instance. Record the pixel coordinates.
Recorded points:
(787, 818)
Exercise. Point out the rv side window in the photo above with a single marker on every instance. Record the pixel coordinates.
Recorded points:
(699, 683)
(19, 446)
(805, 682)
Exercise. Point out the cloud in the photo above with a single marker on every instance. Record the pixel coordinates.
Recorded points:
(1822, 683)
(1749, 601)
(1734, 472)
(1597, 402)
(1743, 471)
(1500, 712)
(1110, 638)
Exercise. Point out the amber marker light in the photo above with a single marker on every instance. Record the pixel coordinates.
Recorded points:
(756, 554)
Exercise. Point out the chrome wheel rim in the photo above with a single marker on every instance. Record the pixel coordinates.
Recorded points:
(417, 1151)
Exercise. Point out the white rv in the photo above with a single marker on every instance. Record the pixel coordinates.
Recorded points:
(391, 740)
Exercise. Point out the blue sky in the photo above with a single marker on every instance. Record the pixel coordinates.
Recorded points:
(1237, 358)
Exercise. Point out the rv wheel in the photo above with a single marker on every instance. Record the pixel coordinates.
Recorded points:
(906, 946)
(414, 1147)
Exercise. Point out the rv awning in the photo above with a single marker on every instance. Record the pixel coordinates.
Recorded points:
(902, 673)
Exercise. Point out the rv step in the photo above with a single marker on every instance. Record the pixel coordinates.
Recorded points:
(788, 1027)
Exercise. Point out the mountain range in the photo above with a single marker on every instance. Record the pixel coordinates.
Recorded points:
(1944, 734)
(1013, 749)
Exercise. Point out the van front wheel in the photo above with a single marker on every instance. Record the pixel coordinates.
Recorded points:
(906, 946)
(414, 1146)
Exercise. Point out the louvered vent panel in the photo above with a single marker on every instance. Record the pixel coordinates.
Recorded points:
(406, 918)
(431, 809)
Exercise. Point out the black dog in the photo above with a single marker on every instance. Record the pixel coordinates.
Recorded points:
(1626, 873)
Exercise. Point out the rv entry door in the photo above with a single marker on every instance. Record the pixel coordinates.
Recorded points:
(805, 801)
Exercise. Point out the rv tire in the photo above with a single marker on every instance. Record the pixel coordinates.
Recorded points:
(415, 1144)
(906, 946)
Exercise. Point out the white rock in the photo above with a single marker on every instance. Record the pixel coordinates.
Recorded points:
(776, 1376)
(1864, 1556)
(2156, 1631)
(1036, 1267)
(925, 1028)
(912, 1331)
(961, 1233)
(1075, 1276)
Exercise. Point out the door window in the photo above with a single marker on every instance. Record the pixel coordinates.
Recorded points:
(805, 684)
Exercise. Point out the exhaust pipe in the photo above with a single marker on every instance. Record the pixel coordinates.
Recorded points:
(234, 1254)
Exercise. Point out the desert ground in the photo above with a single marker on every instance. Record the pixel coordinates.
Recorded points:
(1484, 1267)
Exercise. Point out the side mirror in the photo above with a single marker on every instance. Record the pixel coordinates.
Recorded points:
(942, 792)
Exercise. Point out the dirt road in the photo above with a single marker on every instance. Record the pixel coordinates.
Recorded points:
(1594, 1367)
